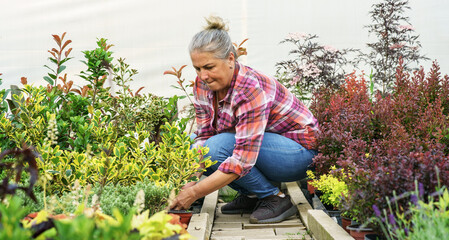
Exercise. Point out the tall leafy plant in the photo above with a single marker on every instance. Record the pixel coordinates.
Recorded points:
(313, 65)
(395, 39)
(99, 65)
(58, 58)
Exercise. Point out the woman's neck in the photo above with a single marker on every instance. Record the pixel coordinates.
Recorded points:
(221, 94)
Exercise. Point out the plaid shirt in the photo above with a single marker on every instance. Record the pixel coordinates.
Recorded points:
(254, 104)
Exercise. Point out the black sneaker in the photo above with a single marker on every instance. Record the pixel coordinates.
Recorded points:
(241, 204)
(273, 209)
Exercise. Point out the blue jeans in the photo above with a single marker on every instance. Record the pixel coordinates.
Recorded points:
(280, 160)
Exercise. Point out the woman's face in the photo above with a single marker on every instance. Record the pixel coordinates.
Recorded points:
(216, 73)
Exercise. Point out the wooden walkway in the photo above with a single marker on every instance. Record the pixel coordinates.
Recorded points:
(211, 224)
(237, 226)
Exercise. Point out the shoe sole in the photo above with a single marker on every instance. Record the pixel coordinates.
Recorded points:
(238, 211)
(290, 212)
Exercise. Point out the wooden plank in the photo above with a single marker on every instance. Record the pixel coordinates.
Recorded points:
(290, 231)
(210, 203)
(230, 218)
(228, 238)
(200, 226)
(323, 227)
(246, 233)
(300, 200)
(292, 237)
(227, 225)
(284, 224)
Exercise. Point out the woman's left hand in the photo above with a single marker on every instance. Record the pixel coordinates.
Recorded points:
(184, 199)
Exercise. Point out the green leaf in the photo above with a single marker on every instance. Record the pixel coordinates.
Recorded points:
(53, 172)
(49, 68)
(117, 152)
(61, 68)
(68, 172)
(64, 60)
(155, 177)
(53, 76)
(64, 181)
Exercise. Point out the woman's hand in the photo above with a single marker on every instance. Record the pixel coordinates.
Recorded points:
(213, 182)
(184, 199)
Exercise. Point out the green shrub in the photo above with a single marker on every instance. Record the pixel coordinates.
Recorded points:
(112, 196)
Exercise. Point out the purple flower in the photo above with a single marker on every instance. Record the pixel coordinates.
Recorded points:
(406, 231)
(414, 199)
(392, 220)
(421, 189)
(376, 210)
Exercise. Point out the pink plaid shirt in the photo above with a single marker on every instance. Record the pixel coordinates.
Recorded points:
(253, 105)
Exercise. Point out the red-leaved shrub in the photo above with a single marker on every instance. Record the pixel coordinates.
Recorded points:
(388, 142)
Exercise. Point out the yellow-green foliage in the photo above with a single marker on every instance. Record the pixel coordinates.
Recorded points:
(171, 162)
(174, 161)
(331, 187)
(31, 121)
(86, 134)
(108, 157)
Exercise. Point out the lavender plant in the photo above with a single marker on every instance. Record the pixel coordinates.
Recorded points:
(425, 217)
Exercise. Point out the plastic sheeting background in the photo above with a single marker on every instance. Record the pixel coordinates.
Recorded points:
(154, 35)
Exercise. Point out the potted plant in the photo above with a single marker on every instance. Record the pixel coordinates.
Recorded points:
(330, 186)
(358, 231)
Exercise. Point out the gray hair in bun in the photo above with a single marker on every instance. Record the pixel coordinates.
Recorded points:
(214, 39)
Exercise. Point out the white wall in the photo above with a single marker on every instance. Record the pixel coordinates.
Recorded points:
(154, 35)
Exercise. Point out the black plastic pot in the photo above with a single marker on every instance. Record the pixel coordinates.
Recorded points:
(372, 236)
(174, 237)
(38, 229)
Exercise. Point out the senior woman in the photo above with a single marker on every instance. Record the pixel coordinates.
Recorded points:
(257, 131)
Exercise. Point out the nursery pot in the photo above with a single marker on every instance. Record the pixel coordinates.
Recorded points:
(335, 215)
(184, 215)
(310, 188)
(372, 236)
(345, 222)
(359, 233)
(174, 237)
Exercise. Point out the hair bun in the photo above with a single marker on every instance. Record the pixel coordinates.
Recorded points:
(215, 22)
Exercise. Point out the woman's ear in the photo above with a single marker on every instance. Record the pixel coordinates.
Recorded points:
(231, 60)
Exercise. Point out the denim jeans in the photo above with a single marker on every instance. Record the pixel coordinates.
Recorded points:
(280, 159)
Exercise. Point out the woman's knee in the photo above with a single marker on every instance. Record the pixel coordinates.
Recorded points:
(221, 146)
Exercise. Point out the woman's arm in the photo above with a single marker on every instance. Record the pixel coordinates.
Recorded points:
(210, 184)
